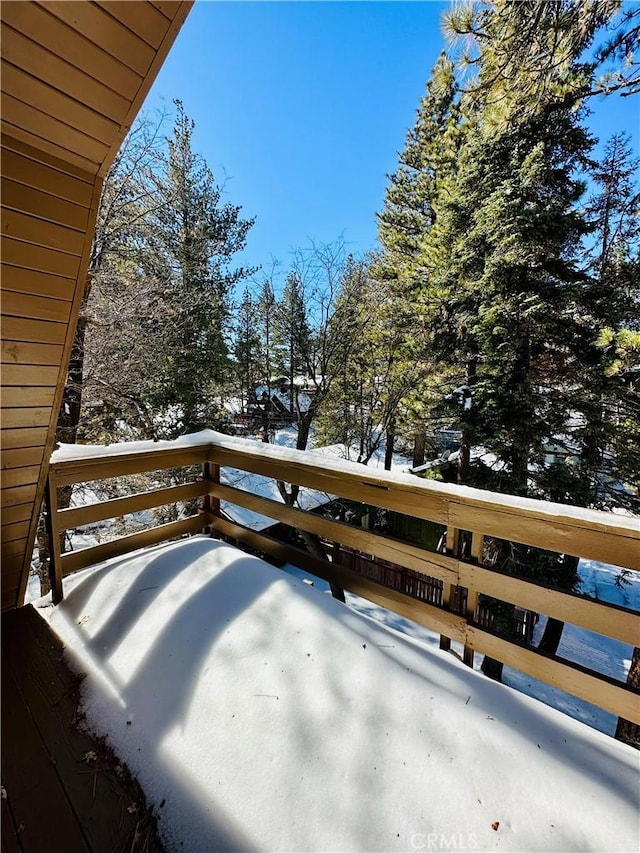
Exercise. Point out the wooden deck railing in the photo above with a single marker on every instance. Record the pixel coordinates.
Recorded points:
(596, 535)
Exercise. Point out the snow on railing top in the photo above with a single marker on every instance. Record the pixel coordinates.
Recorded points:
(69, 453)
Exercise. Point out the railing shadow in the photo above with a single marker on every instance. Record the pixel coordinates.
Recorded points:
(204, 588)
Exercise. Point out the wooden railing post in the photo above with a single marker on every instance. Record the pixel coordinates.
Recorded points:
(53, 534)
(211, 473)
(477, 545)
(453, 535)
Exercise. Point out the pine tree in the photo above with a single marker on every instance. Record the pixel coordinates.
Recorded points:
(293, 335)
(246, 346)
(195, 237)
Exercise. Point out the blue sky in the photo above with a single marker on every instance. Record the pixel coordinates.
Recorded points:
(301, 108)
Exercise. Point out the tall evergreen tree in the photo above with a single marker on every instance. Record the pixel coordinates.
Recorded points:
(195, 237)
(246, 348)
(293, 334)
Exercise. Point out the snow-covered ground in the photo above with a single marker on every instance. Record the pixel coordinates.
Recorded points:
(608, 656)
(261, 714)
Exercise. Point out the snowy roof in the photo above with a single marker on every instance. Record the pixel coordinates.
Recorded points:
(259, 713)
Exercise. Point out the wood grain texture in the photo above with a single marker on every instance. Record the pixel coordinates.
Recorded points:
(36, 23)
(78, 516)
(75, 560)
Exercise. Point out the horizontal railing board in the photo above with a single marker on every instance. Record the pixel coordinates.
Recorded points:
(75, 560)
(565, 537)
(446, 505)
(424, 614)
(615, 697)
(412, 557)
(119, 465)
(565, 534)
(294, 466)
(586, 684)
(343, 483)
(78, 516)
(610, 620)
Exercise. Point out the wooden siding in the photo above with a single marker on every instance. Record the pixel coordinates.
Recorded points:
(74, 75)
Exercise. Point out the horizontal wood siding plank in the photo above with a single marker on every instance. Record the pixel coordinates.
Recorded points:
(76, 560)
(10, 477)
(17, 196)
(18, 352)
(15, 396)
(167, 7)
(428, 615)
(43, 64)
(38, 285)
(35, 331)
(35, 22)
(616, 698)
(22, 226)
(34, 307)
(18, 495)
(21, 457)
(51, 133)
(78, 516)
(16, 438)
(11, 532)
(105, 32)
(38, 94)
(141, 18)
(28, 374)
(26, 417)
(39, 175)
(15, 548)
(16, 514)
(36, 258)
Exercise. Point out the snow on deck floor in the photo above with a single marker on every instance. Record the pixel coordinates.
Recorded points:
(260, 714)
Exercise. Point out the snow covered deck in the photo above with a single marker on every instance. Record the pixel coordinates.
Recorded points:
(260, 714)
